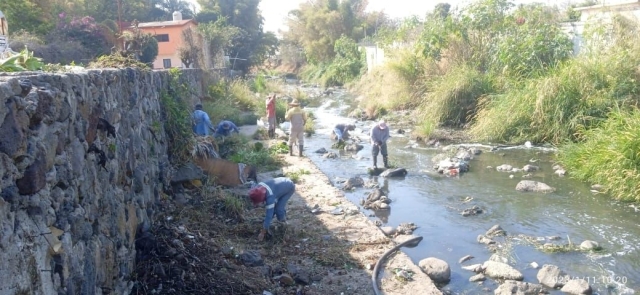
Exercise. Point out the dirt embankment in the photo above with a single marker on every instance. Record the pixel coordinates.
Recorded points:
(203, 246)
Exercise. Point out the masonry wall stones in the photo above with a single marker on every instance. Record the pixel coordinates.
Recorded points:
(82, 164)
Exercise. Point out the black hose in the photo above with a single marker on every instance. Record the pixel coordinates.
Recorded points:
(374, 277)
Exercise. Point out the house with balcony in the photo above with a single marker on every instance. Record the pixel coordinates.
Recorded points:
(170, 39)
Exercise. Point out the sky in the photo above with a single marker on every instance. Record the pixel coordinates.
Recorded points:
(275, 11)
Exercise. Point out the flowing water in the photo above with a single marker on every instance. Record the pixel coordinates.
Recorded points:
(433, 202)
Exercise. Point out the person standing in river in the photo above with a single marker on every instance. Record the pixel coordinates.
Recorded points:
(379, 135)
(298, 118)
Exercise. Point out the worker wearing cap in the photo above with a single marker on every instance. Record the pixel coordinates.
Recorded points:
(379, 136)
(225, 128)
(274, 195)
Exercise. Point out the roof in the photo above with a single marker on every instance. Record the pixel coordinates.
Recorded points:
(170, 23)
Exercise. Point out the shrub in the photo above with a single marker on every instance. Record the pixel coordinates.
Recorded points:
(609, 155)
(177, 119)
(453, 97)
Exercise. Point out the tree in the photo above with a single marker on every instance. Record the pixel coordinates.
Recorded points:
(85, 31)
(442, 10)
(149, 50)
(163, 10)
(190, 52)
(34, 16)
(244, 16)
(218, 38)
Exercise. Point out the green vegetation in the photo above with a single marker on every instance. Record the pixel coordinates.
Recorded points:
(609, 155)
(80, 31)
(295, 175)
(506, 74)
(231, 100)
(177, 119)
(238, 149)
(309, 126)
(24, 61)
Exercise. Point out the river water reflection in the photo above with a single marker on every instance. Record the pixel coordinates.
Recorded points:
(434, 203)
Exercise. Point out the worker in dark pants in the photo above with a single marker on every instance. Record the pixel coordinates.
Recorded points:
(379, 135)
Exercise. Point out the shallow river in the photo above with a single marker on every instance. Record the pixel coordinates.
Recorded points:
(434, 202)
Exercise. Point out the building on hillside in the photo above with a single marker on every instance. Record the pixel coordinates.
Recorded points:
(170, 39)
(374, 55)
(600, 13)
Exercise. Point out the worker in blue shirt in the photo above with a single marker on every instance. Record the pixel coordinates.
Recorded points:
(201, 124)
(274, 195)
(225, 128)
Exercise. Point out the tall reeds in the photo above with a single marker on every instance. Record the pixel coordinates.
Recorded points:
(609, 155)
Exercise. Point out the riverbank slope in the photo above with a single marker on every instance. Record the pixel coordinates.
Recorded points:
(350, 239)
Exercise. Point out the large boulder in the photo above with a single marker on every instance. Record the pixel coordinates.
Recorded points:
(511, 287)
(533, 186)
(502, 271)
(438, 270)
(551, 276)
(577, 287)
(353, 182)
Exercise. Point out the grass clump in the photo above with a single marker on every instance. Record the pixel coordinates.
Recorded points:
(309, 126)
(117, 61)
(238, 149)
(232, 101)
(295, 175)
(609, 155)
(577, 96)
(401, 74)
(454, 96)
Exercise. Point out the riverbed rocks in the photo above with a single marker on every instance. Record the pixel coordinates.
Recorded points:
(330, 155)
(353, 147)
(533, 186)
(502, 271)
(376, 200)
(352, 183)
(496, 230)
(465, 258)
(551, 276)
(475, 210)
(589, 245)
(559, 170)
(438, 270)
(394, 172)
(406, 228)
(510, 287)
(321, 151)
(577, 287)
(451, 166)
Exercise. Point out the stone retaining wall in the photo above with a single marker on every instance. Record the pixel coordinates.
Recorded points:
(83, 161)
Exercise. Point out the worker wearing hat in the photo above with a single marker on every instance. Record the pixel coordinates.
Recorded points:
(379, 136)
(225, 128)
(274, 195)
(298, 118)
